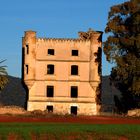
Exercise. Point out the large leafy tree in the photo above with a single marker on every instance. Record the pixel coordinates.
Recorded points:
(122, 47)
(3, 77)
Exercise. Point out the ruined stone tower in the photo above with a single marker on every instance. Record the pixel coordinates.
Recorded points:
(61, 74)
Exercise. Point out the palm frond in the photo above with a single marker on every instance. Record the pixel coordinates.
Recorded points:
(3, 75)
(3, 68)
(2, 61)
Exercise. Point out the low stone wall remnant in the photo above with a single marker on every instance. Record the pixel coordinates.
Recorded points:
(134, 113)
(12, 110)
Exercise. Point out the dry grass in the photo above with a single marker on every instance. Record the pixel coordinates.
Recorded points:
(12, 110)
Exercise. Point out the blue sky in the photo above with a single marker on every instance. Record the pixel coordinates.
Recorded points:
(50, 18)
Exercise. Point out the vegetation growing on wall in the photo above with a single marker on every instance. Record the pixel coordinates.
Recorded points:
(98, 60)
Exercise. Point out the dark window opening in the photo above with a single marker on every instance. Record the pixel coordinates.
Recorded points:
(27, 49)
(74, 52)
(74, 91)
(74, 70)
(27, 69)
(50, 69)
(49, 108)
(50, 51)
(50, 91)
(74, 110)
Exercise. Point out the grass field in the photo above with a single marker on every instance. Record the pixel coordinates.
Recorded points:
(51, 131)
(60, 131)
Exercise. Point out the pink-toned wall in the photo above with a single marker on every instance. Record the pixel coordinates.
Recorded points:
(37, 78)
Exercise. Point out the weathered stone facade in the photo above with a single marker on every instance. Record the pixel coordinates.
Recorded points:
(61, 74)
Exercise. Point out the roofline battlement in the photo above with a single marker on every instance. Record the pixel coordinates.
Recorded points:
(83, 36)
(61, 40)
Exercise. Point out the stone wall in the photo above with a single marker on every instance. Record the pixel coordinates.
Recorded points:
(65, 108)
(11, 110)
(134, 113)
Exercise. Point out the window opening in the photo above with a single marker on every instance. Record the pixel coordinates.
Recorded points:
(74, 92)
(74, 52)
(49, 108)
(27, 69)
(50, 51)
(27, 49)
(74, 110)
(50, 69)
(74, 70)
(50, 91)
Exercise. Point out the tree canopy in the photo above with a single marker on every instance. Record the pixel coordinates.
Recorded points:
(122, 47)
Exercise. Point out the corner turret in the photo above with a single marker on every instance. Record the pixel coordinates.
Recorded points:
(29, 45)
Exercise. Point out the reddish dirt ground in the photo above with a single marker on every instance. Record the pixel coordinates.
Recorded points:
(75, 119)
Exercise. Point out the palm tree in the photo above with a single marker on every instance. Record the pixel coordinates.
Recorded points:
(3, 75)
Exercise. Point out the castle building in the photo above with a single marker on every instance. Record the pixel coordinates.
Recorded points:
(61, 74)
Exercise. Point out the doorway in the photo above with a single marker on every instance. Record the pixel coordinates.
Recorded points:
(74, 110)
(49, 108)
